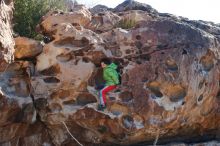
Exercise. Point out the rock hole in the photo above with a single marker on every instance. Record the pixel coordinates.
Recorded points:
(183, 103)
(218, 94)
(154, 87)
(207, 61)
(118, 109)
(157, 93)
(84, 41)
(4, 19)
(162, 46)
(138, 37)
(51, 80)
(184, 52)
(128, 51)
(126, 96)
(171, 65)
(138, 61)
(127, 121)
(112, 98)
(176, 93)
(200, 98)
(118, 53)
(86, 59)
(70, 41)
(201, 83)
(51, 71)
(69, 102)
(138, 44)
(85, 98)
(116, 113)
(54, 24)
(64, 57)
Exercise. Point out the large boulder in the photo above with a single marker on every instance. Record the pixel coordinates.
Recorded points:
(80, 15)
(99, 9)
(169, 89)
(134, 5)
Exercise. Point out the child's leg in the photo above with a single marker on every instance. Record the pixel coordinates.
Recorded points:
(103, 93)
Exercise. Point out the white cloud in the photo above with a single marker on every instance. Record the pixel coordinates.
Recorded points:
(193, 9)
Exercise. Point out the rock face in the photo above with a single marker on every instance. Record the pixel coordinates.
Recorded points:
(169, 90)
(133, 5)
(6, 39)
(99, 9)
(17, 112)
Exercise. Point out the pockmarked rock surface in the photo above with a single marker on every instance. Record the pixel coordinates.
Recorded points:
(6, 39)
(169, 89)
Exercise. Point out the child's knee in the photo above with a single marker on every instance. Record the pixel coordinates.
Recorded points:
(104, 92)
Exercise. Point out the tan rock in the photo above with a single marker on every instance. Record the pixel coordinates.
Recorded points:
(137, 16)
(169, 90)
(103, 22)
(27, 48)
(80, 15)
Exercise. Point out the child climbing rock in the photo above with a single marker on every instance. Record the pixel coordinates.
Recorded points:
(111, 77)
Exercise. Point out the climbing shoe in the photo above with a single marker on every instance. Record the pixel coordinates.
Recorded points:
(101, 107)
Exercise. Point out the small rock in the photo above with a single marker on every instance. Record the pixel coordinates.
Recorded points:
(27, 48)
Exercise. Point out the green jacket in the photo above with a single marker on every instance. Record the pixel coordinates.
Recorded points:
(110, 75)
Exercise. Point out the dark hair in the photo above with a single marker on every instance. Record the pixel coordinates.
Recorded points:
(107, 61)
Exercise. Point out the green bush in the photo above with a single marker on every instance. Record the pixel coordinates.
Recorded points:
(27, 14)
(126, 23)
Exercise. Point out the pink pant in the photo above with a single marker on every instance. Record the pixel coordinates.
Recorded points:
(103, 92)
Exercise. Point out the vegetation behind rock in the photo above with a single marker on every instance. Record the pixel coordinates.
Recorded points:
(27, 14)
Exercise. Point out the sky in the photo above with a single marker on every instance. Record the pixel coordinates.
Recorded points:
(208, 10)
